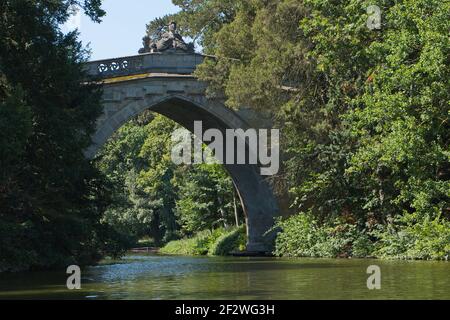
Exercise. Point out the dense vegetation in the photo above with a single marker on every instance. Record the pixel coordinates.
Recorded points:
(217, 242)
(365, 114)
(154, 198)
(51, 198)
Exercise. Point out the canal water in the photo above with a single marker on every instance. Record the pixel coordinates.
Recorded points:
(174, 277)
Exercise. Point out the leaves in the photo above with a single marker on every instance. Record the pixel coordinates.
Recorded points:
(155, 198)
(364, 113)
(51, 198)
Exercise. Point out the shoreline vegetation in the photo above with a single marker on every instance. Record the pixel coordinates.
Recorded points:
(405, 239)
(303, 237)
(219, 242)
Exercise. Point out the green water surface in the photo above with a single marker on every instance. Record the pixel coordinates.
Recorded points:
(173, 277)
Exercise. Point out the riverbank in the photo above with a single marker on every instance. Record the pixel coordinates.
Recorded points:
(405, 238)
(304, 236)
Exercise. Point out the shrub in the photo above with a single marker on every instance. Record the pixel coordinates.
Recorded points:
(228, 242)
(413, 237)
(409, 236)
(218, 242)
(303, 236)
(199, 244)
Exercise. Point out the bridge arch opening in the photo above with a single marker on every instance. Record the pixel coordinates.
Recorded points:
(256, 196)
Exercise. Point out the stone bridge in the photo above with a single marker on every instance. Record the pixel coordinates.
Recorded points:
(163, 82)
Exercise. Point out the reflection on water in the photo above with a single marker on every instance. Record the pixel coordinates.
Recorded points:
(163, 277)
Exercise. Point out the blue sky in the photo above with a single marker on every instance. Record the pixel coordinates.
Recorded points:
(121, 31)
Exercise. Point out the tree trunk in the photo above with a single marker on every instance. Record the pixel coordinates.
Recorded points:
(236, 217)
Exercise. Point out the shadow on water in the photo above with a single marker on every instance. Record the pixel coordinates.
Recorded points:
(176, 277)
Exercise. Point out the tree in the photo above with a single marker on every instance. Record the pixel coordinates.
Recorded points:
(52, 199)
(206, 198)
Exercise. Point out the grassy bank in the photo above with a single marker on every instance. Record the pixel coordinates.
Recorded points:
(219, 242)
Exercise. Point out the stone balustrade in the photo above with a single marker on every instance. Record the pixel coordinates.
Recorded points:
(167, 62)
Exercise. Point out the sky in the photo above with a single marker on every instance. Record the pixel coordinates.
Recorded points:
(121, 30)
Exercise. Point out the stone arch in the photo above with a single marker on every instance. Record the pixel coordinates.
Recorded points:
(257, 199)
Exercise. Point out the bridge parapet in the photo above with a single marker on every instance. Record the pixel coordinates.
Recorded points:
(165, 62)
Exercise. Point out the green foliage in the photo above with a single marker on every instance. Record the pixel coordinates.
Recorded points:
(204, 198)
(219, 242)
(392, 143)
(364, 113)
(231, 241)
(51, 198)
(139, 170)
(415, 237)
(407, 237)
(200, 19)
(153, 197)
(15, 128)
(199, 244)
(303, 236)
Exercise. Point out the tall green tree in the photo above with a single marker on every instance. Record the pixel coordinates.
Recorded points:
(51, 198)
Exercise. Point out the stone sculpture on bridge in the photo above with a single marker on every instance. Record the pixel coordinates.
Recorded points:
(170, 40)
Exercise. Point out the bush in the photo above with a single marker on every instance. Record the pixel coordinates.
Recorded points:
(303, 236)
(217, 242)
(197, 245)
(409, 236)
(231, 241)
(412, 237)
